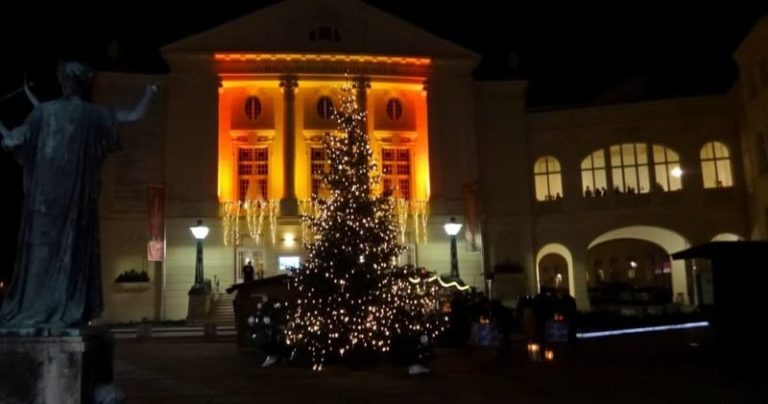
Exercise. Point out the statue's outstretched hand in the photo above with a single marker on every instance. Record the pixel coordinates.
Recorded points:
(32, 98)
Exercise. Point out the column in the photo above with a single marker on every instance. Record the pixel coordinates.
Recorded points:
(288, 204)
(578, 277)
(362, 84)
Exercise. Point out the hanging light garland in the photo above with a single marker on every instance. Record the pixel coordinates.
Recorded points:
(274, 211)
(230, 212)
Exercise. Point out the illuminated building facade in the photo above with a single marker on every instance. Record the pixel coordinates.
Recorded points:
(584, 200)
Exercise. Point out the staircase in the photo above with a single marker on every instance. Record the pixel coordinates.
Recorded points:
(222, 311)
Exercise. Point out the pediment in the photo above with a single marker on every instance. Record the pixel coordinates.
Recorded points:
(321, 27)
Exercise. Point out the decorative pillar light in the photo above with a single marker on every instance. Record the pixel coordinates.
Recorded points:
(452, 229)
(200, 232)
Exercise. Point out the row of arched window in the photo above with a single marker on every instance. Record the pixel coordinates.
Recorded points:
(252, 108)
(633, 168)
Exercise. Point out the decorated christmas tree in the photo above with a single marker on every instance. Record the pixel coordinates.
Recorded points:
(343, 295)
(351, 296)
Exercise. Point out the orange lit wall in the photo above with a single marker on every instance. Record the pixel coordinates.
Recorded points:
(421, 149)
(411, 130)
(309, 128)
(226, 175)
(232, 95)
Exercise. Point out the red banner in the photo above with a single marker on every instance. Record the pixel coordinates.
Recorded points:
(156, 222)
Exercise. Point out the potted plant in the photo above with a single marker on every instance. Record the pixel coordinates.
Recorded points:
(132, 281)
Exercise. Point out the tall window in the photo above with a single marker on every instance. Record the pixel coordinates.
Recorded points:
(396, 170)
(252, 172)
(325, 107)
(593, 173)
(629, 168)
(546, 176)
(666, 164)
(252, 108)
(394, 109)
(319, 163)
(716, 165)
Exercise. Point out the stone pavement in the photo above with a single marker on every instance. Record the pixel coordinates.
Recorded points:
(653, 368)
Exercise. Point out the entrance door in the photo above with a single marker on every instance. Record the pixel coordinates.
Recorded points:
(248, 254)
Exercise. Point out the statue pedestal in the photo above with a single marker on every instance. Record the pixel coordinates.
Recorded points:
(199, 306)
(53, 366)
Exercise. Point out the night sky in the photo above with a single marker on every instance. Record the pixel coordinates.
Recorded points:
(570, 55)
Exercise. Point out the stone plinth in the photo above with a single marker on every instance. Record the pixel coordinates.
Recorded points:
(199, 306)
(61, 366)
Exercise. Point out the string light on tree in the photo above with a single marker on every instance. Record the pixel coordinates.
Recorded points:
(352, 296)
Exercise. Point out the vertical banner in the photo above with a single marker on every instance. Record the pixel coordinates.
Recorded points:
(156, 223)
(472, 215)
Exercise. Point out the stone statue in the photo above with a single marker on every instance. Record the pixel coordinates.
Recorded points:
(61, 147)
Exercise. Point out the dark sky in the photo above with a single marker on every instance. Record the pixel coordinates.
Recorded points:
(572, 54)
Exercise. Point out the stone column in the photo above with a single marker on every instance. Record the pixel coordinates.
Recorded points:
(289, 205)
(578, 278)
(362, 84)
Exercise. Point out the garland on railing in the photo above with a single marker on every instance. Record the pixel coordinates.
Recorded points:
(274, 212)
(230, 217)
(309, 209)
(254, 212)
(401, 211)
(419, 212)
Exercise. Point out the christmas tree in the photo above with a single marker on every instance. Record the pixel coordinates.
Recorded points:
(352, 296)
(344, 293)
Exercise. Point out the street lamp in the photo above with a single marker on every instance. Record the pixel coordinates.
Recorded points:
(200, 232)
(452, 229)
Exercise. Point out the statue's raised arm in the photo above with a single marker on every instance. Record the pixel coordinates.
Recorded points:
(30, 96)
(140, 110)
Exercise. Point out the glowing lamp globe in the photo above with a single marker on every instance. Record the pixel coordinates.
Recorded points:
(200, 232)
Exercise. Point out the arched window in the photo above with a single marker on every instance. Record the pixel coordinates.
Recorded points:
(325, 107)
(394, 109)
(252, 108)
(593, 173)
(716, 165)
(546, 175)
(666, 165)
(629, 168)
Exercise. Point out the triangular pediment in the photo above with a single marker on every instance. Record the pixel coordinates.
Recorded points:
(339, 26)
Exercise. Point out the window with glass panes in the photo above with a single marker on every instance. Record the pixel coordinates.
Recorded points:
(319, 166)
(593, 173)
(547, 180)
(252, 172)
(325, 107)
(629, 167)
(716, 165)
(664, 162)
(396, 171)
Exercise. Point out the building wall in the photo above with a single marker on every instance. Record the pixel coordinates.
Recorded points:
(683, 125)
(477, 144)
(750, 99)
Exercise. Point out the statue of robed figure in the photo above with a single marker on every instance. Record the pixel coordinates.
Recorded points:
(61, 147)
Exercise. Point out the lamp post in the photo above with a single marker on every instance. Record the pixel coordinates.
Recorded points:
(452, 229)
(200, 293)
(200, 232)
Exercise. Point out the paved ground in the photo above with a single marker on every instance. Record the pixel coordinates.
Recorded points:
(661, 368)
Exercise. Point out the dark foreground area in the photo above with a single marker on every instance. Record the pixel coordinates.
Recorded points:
(673, 367)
